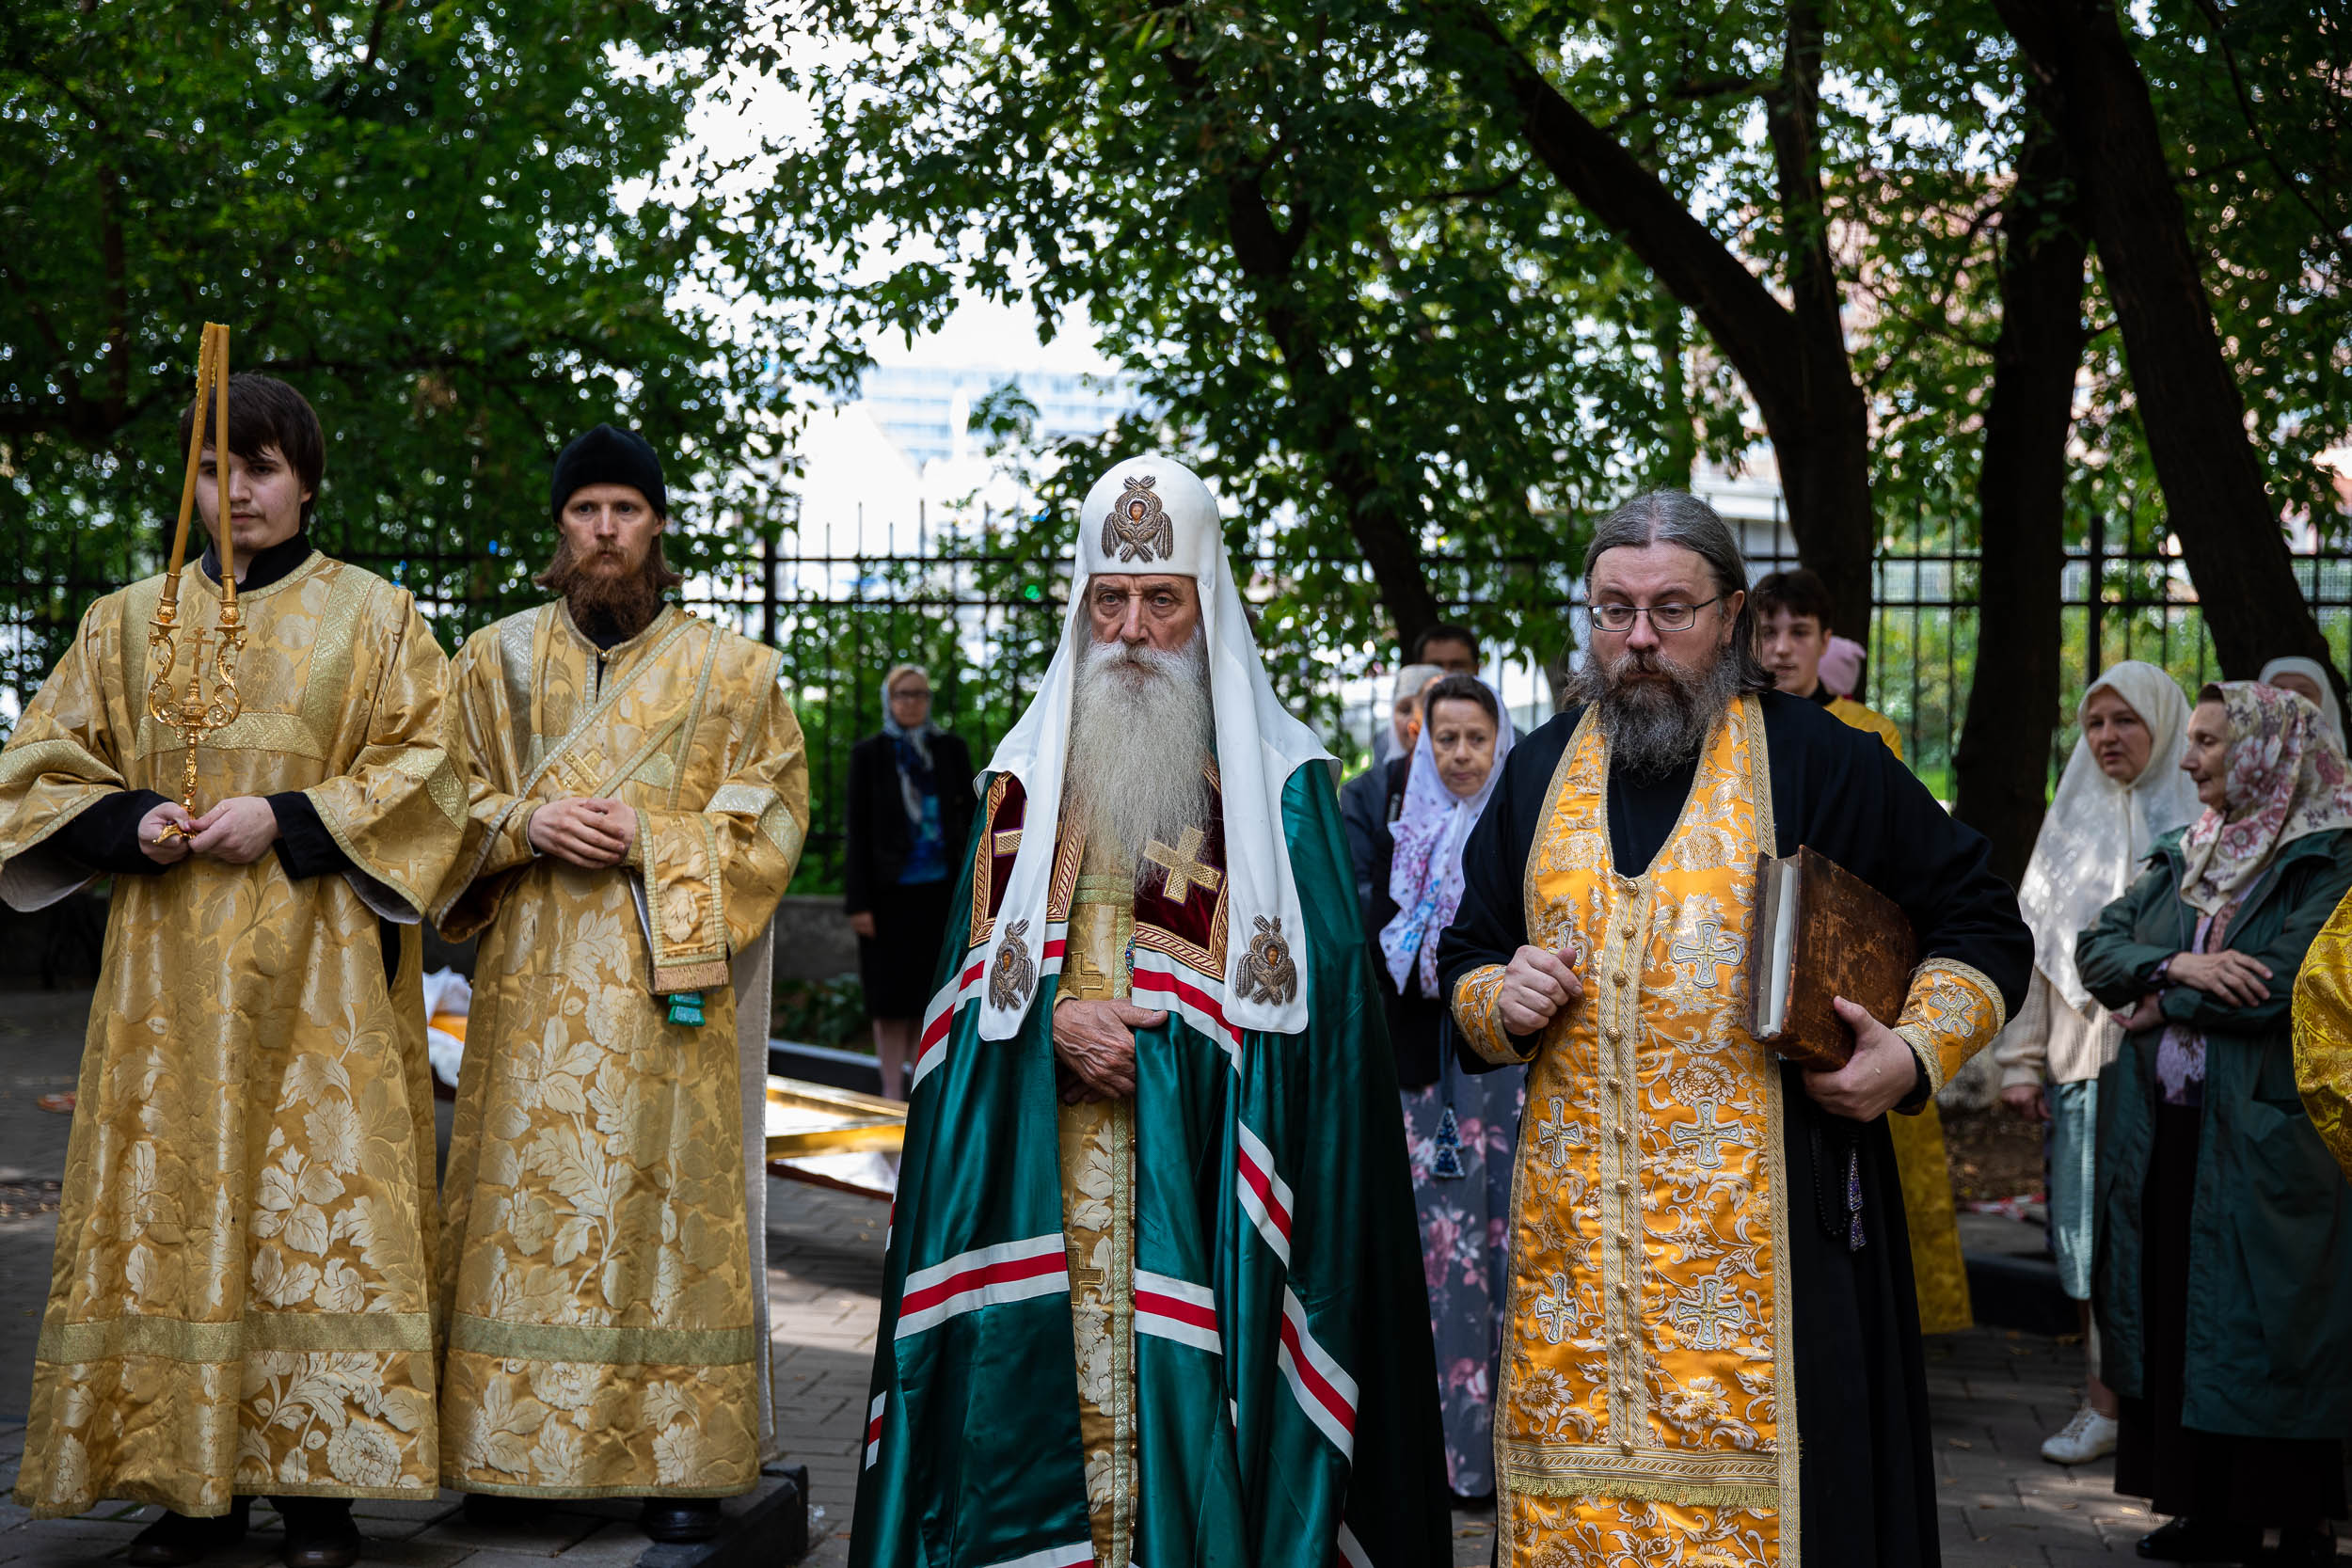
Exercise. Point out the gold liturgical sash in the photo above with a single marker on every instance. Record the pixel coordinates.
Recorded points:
(1649, 1387)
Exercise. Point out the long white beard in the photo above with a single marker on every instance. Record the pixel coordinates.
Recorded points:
(1141, 726)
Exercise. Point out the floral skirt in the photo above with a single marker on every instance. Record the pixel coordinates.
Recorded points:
(1464, 1233)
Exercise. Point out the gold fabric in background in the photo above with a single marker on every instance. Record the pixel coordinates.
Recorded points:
(240, 1300)
(2323, 1034)
(1937, 1271)
(603, 1336)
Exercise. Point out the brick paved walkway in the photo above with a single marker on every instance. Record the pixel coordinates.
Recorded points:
(825, 1273)
(1994, 1396)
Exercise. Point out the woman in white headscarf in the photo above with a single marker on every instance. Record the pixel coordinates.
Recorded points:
(2123, 790)
(2308, 678)
(1460, 1129)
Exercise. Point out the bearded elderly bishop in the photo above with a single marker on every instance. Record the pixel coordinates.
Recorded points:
(1711, 1350)
(1153, 1290)
(639, 798)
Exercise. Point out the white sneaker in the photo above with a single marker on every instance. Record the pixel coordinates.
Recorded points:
(2089, 1435)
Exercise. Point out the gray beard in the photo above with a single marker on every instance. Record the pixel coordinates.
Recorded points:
(1654, 726)
(1140, 727)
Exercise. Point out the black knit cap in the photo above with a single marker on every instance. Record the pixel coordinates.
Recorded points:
(609, 455)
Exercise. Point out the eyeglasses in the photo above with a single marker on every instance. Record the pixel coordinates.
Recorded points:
(1663, 617)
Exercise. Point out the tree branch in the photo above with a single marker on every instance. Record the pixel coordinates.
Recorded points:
(2327, 230)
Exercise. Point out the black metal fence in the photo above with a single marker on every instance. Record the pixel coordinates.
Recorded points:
(982, 610)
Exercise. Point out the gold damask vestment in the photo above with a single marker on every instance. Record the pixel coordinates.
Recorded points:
(241, 1299)
(604, 1275)
(2322, 1032)
(1647, 1412)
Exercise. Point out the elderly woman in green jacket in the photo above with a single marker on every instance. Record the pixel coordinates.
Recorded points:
(2223, 1276)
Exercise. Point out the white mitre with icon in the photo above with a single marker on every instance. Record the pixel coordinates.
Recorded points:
(1152, 515)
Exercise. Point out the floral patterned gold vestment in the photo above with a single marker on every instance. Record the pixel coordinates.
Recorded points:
(1648, 1412)
(605, 1274)
(241, 1301)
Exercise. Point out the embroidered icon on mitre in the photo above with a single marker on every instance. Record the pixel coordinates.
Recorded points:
(1267, 972)
(1010, 977)
(1137, 526)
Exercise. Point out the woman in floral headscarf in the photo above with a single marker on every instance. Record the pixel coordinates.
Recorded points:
(1460, 1131)
(2223, 1281)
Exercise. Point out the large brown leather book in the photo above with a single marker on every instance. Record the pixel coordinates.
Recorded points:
(1822, 931)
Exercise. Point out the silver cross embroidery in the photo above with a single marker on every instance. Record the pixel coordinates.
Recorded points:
(1554, 1136)
(1703, 1314)
(1554, 1308)
(1708, 1136)
(1707, 949)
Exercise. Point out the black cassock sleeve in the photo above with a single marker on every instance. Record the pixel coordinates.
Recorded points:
(105, 834)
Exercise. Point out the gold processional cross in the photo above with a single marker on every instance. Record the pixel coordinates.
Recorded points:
(198, 713)
(1184, 866)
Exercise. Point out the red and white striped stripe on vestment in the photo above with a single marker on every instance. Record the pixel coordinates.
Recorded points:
(873, 1426)
(1077, 1554)
(985, 1276)
(1191, 995)
(1322, 1387)
(1172, 1308)
(931, 1046)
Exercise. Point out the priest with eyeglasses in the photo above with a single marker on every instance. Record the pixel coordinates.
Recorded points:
(1711, 1350)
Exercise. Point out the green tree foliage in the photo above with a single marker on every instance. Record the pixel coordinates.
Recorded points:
(1343, 293)
(2255, 101)
(444, 224)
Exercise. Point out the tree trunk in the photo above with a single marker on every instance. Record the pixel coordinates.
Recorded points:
(2001, 769)
(1681, 455)
(1264, 250)
(1392, 548)
(2189, 403)
(1826, 478)
(1794, 363)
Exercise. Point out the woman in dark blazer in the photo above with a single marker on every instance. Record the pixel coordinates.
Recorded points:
(909, 812)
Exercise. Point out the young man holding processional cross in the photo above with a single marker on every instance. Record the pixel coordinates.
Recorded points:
(239, 1303)
(640, 796)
